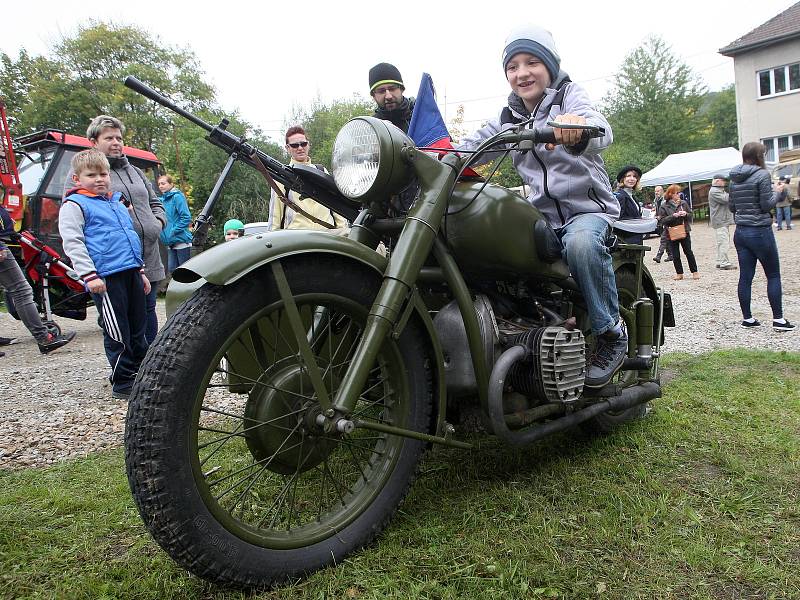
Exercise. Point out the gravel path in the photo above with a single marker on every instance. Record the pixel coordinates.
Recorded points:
(60, 406)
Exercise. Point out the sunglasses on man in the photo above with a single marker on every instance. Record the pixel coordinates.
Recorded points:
(296, 145)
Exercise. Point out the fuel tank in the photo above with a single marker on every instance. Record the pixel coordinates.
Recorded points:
(492, 231)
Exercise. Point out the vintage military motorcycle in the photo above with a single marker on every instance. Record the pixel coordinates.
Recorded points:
(281, 414)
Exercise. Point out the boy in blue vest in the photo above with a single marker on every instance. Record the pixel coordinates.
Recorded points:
(99, 239)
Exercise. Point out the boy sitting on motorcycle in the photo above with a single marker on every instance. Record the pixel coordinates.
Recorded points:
(568, 181)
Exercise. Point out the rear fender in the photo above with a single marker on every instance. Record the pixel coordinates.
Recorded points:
(226, 263)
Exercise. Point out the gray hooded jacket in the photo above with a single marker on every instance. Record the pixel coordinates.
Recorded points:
(751, 196)
(564, 182)
(147, 211)
(718, 207)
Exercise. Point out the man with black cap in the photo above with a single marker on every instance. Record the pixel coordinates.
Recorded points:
(568, 181)
(386, 88)
(721, 218)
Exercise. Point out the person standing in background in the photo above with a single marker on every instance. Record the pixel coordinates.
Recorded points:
(386, 88)
(752, 199)
(176, 235)
(675, 211)
(664, 245)
(721, 219)
(783, 209)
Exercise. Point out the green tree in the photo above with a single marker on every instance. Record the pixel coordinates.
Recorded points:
(85, 78)
(719, 109)
(25, 84)
(654, 104)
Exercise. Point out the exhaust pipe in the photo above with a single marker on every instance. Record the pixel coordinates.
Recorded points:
(630, 397)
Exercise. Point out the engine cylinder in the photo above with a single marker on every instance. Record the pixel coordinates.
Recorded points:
(556, 369)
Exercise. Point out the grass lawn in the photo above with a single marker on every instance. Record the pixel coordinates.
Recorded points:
(699, 500)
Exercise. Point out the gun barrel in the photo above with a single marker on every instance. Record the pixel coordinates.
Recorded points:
(148, 92)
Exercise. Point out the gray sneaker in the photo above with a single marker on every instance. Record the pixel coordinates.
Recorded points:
(607, 358)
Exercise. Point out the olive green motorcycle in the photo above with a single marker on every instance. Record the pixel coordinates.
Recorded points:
(282, 412)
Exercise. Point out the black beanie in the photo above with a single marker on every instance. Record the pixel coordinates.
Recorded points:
(384, 73)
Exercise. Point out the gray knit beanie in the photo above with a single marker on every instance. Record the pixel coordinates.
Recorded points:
(533, 40)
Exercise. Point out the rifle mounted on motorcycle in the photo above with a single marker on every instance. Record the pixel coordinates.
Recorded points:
(279, 417)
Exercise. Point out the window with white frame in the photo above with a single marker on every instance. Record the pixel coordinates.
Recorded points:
(779, 80)
(778, 145)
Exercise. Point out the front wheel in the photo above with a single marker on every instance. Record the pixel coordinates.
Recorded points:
(230, 471)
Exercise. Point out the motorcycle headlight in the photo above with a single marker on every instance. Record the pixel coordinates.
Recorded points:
(368, 161)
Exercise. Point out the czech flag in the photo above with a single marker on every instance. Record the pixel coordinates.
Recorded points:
(427, 127)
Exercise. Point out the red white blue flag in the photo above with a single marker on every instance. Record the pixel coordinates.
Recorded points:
(427, 127)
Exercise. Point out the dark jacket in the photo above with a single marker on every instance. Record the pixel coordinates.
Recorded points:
(148, 212)
(628, 207)
(667, 210)
(401, 116)
(751, 196)
(178, 218)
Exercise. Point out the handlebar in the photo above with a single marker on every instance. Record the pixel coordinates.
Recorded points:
(546, 135)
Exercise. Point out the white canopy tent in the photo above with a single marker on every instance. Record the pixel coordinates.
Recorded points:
(687, 167)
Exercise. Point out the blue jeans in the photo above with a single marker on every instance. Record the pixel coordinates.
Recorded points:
(151, 329)
(758, 244)
(784, 213)
(175, 258)
(589, 260)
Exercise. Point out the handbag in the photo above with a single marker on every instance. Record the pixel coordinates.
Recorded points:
(676, 232)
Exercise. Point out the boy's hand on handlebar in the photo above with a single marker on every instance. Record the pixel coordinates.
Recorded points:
(96, 286)
(567, 137)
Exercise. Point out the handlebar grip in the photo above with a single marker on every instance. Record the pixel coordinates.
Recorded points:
(538, 135)
(148, 92)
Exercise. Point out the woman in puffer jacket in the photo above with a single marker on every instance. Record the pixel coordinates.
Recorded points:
(674, 210)
(751, 200)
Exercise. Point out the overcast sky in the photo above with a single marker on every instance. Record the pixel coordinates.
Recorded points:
(264, 58)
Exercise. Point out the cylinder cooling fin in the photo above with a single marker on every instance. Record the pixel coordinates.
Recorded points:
(556, 369)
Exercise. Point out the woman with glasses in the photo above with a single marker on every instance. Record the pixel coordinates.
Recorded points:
(283, 215)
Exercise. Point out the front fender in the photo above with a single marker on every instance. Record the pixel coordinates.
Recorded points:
(230, 261)
(226, 263)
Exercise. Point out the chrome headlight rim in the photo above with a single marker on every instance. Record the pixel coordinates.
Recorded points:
(392, 171)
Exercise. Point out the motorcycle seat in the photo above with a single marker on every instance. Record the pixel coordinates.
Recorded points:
(640, 226)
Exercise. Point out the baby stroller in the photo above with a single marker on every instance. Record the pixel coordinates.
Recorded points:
(57, 288)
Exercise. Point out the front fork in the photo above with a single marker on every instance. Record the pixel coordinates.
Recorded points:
(392, 304)
(408, 256)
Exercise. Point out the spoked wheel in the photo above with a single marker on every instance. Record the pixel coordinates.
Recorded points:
(231, 470)
(609, 421)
